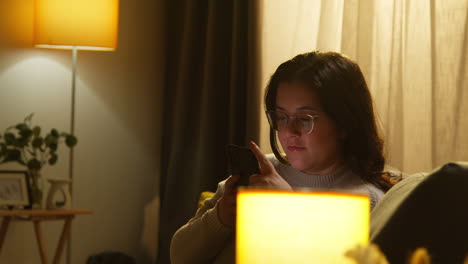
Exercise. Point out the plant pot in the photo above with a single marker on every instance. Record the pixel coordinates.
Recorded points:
(36, 189)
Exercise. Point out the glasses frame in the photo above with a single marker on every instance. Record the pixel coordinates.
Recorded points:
(301, 128)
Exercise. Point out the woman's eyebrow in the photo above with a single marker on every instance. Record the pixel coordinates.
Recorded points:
(302, 108)
(308, 108)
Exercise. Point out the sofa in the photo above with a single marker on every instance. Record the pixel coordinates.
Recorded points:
(428, 210)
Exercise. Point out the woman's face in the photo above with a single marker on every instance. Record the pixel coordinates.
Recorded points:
(318, 152)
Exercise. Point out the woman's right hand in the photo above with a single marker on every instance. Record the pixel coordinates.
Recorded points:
(227, 203)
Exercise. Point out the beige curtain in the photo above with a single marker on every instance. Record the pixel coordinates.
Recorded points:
(414, 56)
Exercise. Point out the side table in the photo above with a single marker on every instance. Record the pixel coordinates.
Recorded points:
(36, 217)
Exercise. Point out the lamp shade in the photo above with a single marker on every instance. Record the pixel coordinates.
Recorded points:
(85, 24)
(299, 227)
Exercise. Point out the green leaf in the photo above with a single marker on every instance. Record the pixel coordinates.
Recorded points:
(53, 159)
(37, 142)
(26, 132)
(9, 138)
(71, 141)
(21, 126)
(49, 139)
(34, 164)
(36, 131)
(21, 142)
(53, 146)
(54, 133)
(28, 118)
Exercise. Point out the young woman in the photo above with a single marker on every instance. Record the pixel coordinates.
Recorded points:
(320, 109)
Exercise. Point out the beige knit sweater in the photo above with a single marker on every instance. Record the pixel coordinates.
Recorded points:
(204, 239)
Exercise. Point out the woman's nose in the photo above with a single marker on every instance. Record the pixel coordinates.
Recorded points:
(292, 127)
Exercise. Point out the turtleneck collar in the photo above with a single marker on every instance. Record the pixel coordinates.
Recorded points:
(297, 178)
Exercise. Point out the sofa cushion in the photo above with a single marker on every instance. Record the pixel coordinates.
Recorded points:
(392, 200)
(428, 211)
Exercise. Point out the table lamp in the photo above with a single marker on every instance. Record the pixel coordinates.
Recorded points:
(275, 226)
(76, 25)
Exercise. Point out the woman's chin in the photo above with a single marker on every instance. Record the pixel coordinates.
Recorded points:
(297, 164)
(302, 164)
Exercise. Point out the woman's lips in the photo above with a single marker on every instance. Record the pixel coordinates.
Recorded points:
(294, 148)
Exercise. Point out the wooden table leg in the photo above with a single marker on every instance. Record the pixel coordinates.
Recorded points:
(40, 241)
(63, 239)
(3, 230)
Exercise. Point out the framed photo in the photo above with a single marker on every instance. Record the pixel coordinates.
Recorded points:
(14, 190)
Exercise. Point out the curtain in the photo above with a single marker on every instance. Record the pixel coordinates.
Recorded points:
(211, 99)
(414, 56)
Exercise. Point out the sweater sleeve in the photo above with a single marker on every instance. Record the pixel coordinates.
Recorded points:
(203, 237)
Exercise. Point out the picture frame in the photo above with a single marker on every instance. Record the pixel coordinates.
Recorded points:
(14, 189)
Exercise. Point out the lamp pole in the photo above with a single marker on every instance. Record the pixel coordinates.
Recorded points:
(72, 114)
(72, 132)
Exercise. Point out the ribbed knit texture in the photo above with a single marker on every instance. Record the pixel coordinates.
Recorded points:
(342, 180)
(299, 179)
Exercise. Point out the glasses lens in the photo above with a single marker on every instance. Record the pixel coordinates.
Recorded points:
(306, 123)
(277, 120)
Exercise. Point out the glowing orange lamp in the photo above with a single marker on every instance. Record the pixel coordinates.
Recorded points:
(80, 24)
(299, 227)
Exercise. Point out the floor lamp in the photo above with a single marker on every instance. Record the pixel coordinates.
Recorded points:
(75, 25)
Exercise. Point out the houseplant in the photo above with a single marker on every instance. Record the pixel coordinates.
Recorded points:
(23, 143)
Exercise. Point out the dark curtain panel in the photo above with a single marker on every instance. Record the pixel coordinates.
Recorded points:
(211, 99)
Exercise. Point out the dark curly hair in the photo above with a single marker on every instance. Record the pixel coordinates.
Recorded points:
(345, 97)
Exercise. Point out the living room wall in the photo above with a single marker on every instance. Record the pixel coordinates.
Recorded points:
(118, 102)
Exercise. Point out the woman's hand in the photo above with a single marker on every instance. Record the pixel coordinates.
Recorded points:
(268, 176)
(227, 203)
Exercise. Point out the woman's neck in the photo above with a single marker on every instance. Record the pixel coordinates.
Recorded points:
(328, 169)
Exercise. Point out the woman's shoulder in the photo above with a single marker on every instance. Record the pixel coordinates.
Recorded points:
(375, 194)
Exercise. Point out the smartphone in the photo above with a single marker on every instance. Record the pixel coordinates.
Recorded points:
(242, 161)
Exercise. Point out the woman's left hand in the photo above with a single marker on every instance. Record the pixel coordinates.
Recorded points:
(268, 176)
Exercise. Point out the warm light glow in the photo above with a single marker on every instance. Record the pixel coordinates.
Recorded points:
(86, 24)
(299, 227)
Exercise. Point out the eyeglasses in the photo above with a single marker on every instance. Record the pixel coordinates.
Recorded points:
(303, 122)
